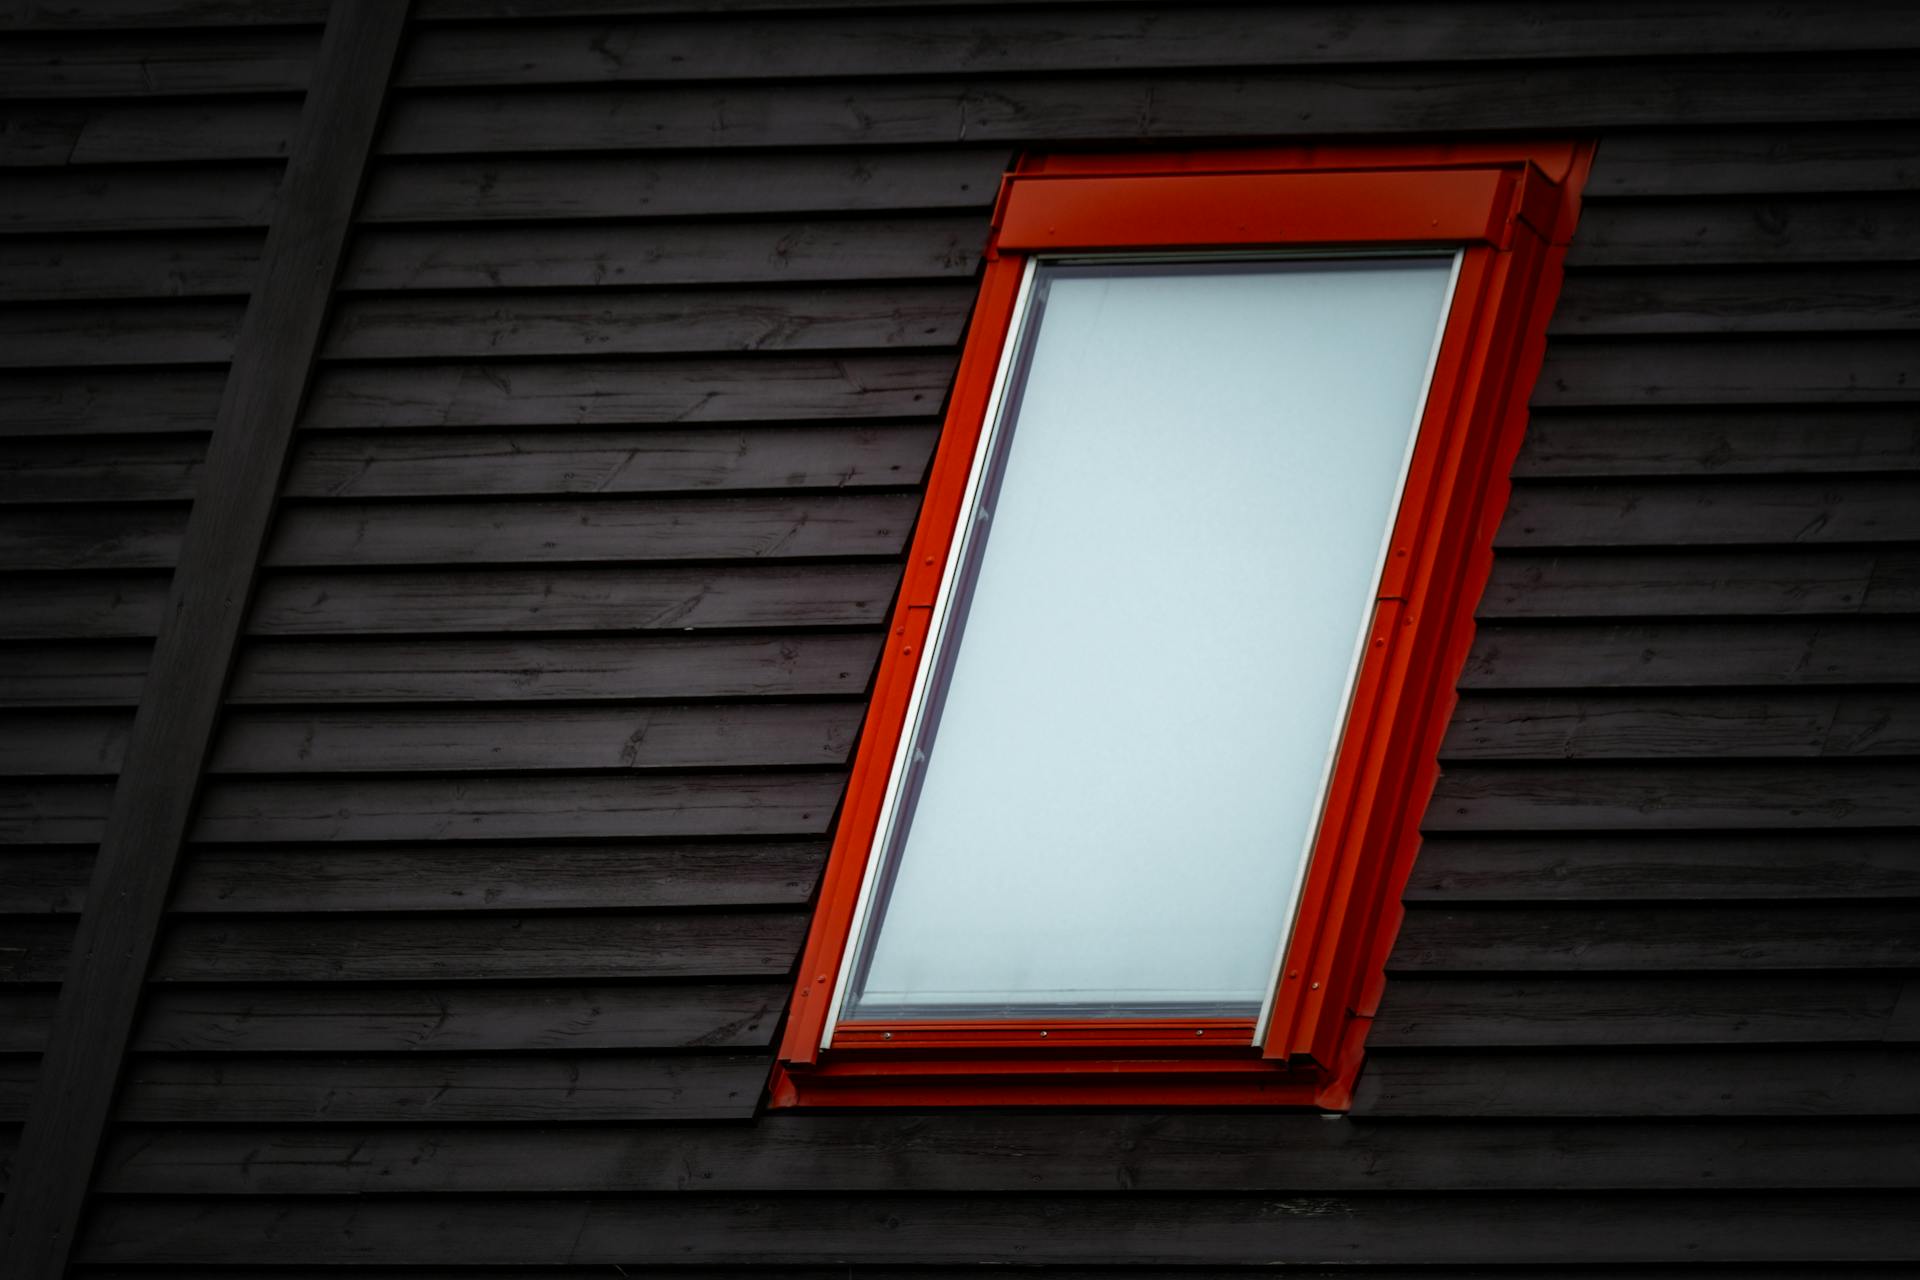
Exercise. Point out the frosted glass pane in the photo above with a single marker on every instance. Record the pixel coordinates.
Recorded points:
(1177, 543)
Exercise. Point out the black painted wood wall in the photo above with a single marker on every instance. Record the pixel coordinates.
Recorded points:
(530, 757)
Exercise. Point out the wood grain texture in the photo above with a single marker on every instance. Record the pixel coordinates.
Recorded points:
(961, 1153)
(576, 531)
(1486, 1011)
(1814, 160)
(1802, 369)
(93, 15)
(208, 62)
(654, 460)
(1775, 653)
(536, 670)
(318, 604)
(507, 808)
(735, 944)
(600, 1088)
(1824, 439)
(1806, 795)
(139, 199)
(654, 322)
(1760, 230)
(1680, 301)
(764, 251)
(622, 393)
(66, 675)
(1684, 726)
(1702, 584)
(1109, 38)
(124, 334)
(1712, 513)
(1641, 868)
(110, 402)
(143, 537)
(600, 877)
(1456, 937)
(1814, 1081)
(650, 186)
(178, 266)
(458, 739)
(122, 132)
(1346, 101)
(463, 1017)
(85, 471)
(43, 882)
(116, 606)
(1145, 1228)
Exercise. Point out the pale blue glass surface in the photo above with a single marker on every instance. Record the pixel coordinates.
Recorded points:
(1111, 800)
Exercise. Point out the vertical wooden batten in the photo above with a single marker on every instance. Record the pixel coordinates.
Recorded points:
(198, 635)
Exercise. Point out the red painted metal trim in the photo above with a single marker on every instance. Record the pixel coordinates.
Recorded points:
(1412, 207)
(1511, 208)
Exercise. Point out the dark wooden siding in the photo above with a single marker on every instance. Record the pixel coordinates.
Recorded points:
(138, 169)
(534, 746)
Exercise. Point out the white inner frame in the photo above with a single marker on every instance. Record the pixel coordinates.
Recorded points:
(958, 554)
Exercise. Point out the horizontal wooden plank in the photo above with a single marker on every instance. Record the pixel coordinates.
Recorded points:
(68, 675)
(125, 333)
(82, 607)
(1718, 512)
(99, 470)
(1697, 584)
(95, 15)
(1684, 726)
(25, 1017)
(500, 808)
(1798, 300)
(138, 402)
(17, 1079)
(1756, 795)
(962, 1153)
(34, 950)
(138, 199)
(1768, 230)
(61, 812)
(1136, 1229)
(476, 190)
(1451, 936)
(142, 537)
(1784, 652)
(1749, 369)
(654, 460)
(462, 1018)
(1817, 160)
(651, 322)
(459, 739)
(1785, 1081)
(213, 264)
(57, 744)
(663, 254)
(467, 947)
(628, 392)
(1480, 1011)
(1703, 442)
(575, 531)
(1641, 867)
(50, 882)
(577, 1088)
(119, 131)
(1344, 101)
(1113, 39)
(316, 604)
(544, 670)
(261, 60)
(494, 878)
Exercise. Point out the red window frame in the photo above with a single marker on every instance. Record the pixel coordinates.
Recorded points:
(1510, 209)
